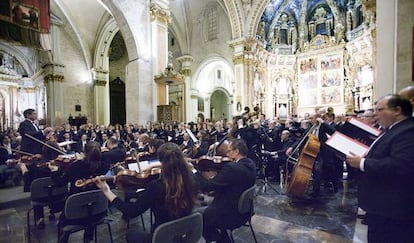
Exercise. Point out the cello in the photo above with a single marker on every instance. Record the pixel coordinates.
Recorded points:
(297, 181)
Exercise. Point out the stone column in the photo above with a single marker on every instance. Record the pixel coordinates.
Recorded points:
(53, 78)
(239, 75)
(101, 97)
(54, 93)
(386, 47)
(160, 17)
(190, 107)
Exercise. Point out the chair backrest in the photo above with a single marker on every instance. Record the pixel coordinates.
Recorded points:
(246, 200)
(187, 229)
(45, 188)
(85, 204)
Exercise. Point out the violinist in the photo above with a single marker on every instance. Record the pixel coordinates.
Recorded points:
(228, 185)
(170, 197)
(114, 154)
(201, 148)
(31, 171)
(152, 153)
(8, 171)
(90, 166)
(187, 145)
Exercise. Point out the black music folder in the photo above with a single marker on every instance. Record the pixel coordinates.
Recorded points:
(361, 131)
(345, 145)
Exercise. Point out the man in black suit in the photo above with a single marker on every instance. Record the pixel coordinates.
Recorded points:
(115, 153)
(228, 185)
(386, 184)
(29, 127)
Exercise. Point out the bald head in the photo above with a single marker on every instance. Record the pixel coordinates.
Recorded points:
(408, 93)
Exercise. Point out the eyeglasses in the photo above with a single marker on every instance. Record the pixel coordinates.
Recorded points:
(381, 109)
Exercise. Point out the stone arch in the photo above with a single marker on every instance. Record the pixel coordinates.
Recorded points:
(236, 22)
(104, 40)
(124, 26)
(23, 60)
(220, 102)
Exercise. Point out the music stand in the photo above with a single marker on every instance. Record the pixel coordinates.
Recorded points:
(263, 158)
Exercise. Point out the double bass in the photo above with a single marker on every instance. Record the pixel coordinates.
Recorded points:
(297, 181)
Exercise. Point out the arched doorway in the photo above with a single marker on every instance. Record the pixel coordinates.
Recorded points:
(219, 105)
(117, 101)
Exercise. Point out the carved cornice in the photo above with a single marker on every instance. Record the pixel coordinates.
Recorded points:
(100, 82)
(54, 78)
(159, 14)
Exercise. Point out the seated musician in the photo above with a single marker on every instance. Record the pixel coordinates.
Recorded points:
(228, 185)
(8, 171)
(32, 171)
(202, 147)
(115, 153)
(170, 197)
(89, 167)
(152, 153)
(187, 145)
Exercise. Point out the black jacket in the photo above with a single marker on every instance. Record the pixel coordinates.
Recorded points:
(386, 185)
(27, 144)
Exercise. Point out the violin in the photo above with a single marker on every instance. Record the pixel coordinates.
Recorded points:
(126, 179)
(210, 163)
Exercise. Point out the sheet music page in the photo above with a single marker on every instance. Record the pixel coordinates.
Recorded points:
(345, 144)
(365, 126)
(194, 138)
(143, 165)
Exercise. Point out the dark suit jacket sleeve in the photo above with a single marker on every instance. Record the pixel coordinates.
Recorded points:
(221, 180)
(399, 160)
(27, 127)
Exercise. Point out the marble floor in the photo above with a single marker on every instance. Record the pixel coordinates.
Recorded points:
(331, 217)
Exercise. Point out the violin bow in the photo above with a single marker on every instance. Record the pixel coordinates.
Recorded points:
(45, 144)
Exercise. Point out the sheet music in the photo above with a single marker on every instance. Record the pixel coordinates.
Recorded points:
(364, 126)
(64, 143)
(345, 144)
(194, 138)
(143, 165)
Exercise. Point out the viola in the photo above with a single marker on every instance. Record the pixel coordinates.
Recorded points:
(126, 179)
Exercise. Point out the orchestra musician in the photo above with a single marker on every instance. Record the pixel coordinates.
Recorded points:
(114, 154)
(386, 182)
(170, 197)
(228, 185)
(152, 153)
(90, 166)
(202, 146)
(187, 145)
(325, 155)
(8, 171)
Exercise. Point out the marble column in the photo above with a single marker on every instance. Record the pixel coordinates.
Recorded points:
(101, 97)
(190, 107)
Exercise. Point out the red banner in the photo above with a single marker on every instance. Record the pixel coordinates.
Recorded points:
(29, 14)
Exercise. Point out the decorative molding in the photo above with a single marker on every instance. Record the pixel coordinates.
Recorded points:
(159, 14)
(239, 59)
(100, 82)
(54, 78)
(186, 72)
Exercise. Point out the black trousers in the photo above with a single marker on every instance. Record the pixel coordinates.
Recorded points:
(383, 229)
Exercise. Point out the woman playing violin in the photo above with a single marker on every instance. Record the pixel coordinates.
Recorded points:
(152, 153)
(90, 166)
(170, 197)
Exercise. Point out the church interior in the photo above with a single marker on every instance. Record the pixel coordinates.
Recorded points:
(132, 63)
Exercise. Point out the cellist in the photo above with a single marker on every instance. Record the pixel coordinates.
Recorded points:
(325, 155)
